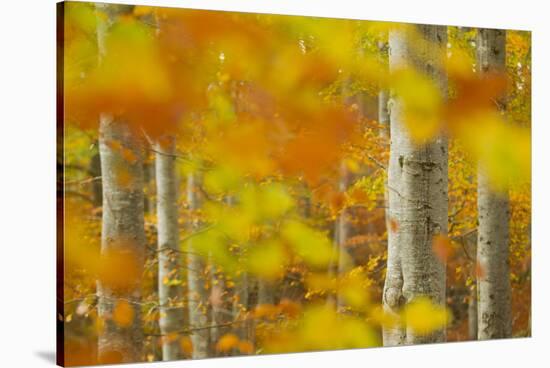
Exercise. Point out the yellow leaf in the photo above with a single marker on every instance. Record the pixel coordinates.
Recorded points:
(267, 259)
(383, 318)
(311, 245)
(425, 317)
(421, 101)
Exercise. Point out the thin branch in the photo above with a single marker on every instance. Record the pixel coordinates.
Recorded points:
(82, 181)
(378, 163)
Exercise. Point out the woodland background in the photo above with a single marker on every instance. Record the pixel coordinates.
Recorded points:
(262, 186)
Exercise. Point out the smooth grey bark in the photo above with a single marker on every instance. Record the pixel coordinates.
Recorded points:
(122, 234)
(169, 268)
(472, 314)
(494, 305)
(470, 243)
(341, 234)
(393, 284)
(196, 277)
(122, 231)
(417, 182)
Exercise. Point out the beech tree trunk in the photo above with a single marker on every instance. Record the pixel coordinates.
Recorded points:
(196, 279)
(417, 182)
(169, 268)
(341, 234)
(122, 234)
(472, 314)
(494, 305)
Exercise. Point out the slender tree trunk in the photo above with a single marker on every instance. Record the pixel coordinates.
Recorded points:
(472, 314)
(123, 234)
(196, 280)
(341, 234)
(169, 268)
(218, 313)
(95, 171)
(494, 306)
(471, 245)
(266, 292)
(240, 305)
(241, 292)
(149, 174)
(417, 181)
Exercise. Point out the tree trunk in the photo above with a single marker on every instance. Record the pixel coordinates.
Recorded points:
(95, 172)
(241, 292)
(392, 297)
(341, 234)
(218, 295)
(417, 180)
(123, 234)
(240, 305)
(266, 292)
(169, 268)
(494, 305)
(472, 314)
(196, 279)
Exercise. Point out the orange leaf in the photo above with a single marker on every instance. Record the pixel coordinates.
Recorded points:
(394, 225)
(120, 267)
(337, 201)
(186, 345)
(266, 311)
(227, 342)
(479, 271)
(442, 247)
(246, 347)
(289, 307)
(123, 314)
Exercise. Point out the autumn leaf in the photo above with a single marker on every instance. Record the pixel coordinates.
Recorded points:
(290, 308)
(227, 342)
(422, 103)
(425, 317)
(442, 247)
(123, 314)
(268, 311)
(267, 259)
(246, 347)
(186, 345)
(394, 225)
(120, 266)
(311, 245)
(479, 271)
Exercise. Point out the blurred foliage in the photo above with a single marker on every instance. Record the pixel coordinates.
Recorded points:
(277, 118)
